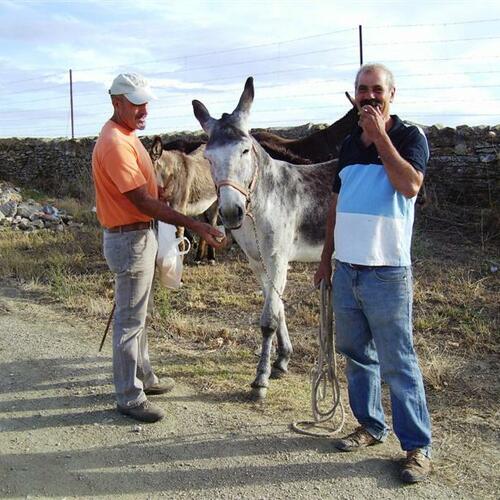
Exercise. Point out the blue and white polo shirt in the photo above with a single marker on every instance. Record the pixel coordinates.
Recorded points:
(374, 221)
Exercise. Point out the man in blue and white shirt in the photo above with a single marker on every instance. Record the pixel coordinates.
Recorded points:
(381, 169)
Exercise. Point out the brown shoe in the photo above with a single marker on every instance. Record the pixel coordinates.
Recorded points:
(360, 438)
(166, 385)
(145, 412)
(416, 467)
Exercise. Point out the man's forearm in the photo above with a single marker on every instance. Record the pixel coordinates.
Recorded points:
(160, 210)
(329, 245)
(402, 175)
(170, 216)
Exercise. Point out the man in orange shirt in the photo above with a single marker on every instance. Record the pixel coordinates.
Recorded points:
(127, 205)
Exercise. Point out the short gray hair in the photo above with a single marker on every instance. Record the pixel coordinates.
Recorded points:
(369, 68)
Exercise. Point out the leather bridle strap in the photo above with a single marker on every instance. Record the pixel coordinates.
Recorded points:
(236, 185)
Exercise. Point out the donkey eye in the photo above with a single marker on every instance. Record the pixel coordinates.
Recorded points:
(245, 151)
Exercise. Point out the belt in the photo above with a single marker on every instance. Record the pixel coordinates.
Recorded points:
(359, 267)
(136, 226)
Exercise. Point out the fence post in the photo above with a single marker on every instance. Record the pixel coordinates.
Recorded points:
(71, 102)
(360, 28)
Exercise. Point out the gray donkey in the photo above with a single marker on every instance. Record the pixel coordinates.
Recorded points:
(276, 212)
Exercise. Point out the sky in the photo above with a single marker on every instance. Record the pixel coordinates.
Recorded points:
(302, 54)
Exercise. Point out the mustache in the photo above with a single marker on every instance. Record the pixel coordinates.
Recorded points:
(371, 102)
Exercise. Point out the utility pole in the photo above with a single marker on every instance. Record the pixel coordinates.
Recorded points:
(71, 102)
(360, 45)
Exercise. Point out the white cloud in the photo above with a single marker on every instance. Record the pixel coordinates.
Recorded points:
(302, 54)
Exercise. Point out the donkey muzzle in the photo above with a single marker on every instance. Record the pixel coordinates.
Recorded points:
(232, 216)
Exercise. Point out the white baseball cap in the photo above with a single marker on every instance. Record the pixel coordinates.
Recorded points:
(133, 86)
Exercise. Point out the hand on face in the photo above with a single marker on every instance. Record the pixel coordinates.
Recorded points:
(372, 121)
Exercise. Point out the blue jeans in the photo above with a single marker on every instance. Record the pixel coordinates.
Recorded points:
(373, 318)
(131, 257)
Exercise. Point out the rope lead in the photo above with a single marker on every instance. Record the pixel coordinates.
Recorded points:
(324, 379)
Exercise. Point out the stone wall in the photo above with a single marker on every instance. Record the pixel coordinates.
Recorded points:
(464, 168)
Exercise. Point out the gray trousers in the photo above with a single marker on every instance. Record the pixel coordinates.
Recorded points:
(131, 257)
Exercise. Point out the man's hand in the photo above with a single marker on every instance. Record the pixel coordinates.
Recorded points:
(372, 121)
(210, 234)
(324, 272)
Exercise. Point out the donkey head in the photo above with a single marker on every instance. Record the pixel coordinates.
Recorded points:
(229, 151)
(163, 166)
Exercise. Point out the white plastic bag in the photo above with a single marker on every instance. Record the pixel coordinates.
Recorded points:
(169, 257)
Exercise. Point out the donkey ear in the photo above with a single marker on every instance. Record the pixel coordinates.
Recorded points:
(203, 116)
(246, 98)
(156, 148)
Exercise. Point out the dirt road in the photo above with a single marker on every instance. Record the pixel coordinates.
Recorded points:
(61, 437)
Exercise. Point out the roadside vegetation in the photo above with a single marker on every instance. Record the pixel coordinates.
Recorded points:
(207, 334)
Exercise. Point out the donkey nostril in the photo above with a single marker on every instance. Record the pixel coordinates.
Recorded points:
(240, 213)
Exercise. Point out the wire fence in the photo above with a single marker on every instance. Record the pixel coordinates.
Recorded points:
(451, 79)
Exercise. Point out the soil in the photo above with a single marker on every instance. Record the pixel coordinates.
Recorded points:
(61, 437)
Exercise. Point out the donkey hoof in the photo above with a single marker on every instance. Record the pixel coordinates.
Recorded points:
(258, 393)
(277, 373)
(211, 262)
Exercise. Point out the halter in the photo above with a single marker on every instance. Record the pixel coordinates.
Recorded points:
(239, 187)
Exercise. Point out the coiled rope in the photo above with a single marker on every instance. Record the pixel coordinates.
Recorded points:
(324, 380)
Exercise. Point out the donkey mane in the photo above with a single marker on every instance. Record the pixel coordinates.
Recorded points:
(320, 146)
(186, 146)
(280, 151)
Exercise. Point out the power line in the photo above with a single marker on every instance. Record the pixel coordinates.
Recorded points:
(282, 97)
(227, 51)
(430, 24)
(56, 86)
(230, 78)
(34, 78)
(380, 44)
(270, 44)
(287, 121)
(326, 107)
(176, 99)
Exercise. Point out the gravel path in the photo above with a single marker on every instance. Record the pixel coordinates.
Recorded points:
(61, 437)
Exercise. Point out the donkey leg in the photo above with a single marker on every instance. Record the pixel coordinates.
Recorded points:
(201, 251)
(211, 215)
(272, 316)
(261, 382)
(284, 351)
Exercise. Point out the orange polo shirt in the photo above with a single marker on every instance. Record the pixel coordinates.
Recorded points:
(120, 163)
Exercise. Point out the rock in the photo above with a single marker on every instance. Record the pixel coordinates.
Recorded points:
(66, 218)
(487, 158)
(28, 209)
(9, 208)
(29, 215)
(461, 148)
(25, 224)
(9, 193)
(51, 211)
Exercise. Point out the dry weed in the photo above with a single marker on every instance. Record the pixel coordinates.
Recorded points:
(207, 333)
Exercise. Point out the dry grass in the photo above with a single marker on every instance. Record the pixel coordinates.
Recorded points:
(207, 333)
